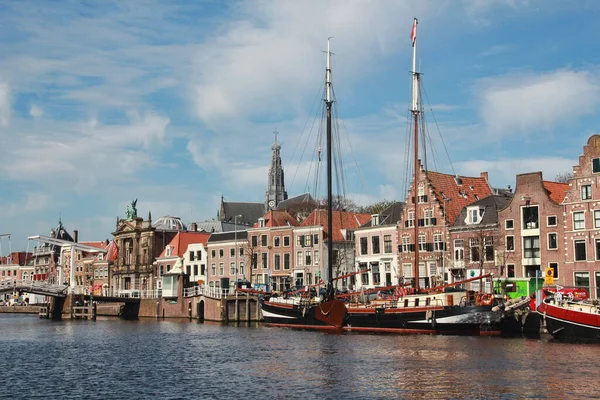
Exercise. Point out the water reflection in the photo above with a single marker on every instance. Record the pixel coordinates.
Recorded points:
(181, 359)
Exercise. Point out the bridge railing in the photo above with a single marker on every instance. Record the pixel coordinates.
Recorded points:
(26, 284)
(205, 291)
(126, 293)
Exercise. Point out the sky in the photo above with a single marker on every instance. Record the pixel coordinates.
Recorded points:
(174, 103)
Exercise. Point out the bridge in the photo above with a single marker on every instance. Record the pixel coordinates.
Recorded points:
(59, 293)
(35, 287)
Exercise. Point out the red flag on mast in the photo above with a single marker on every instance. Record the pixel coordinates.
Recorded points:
(413, 33)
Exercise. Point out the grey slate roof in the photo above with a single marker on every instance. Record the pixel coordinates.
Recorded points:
(389, 216)
(250, 212)
(301, 199)
(225, 236)
(490, 204)
(220, 226)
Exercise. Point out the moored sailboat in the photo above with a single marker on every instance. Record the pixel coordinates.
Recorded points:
(313, 312)
(439, 310)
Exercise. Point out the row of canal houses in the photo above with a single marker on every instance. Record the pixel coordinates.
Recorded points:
(465, 228)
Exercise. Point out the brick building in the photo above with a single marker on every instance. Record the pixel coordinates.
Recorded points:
(440, 198)
(270, 250)
(376, 249)
(582, 222)
(532, 225)
(476, 248)
(226, 259)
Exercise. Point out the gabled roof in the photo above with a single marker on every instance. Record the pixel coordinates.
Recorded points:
(99, 245)
(390, 216)
(182, 240)
(219, 226)
(275, 218)
(16, 258)
(250, 212)
(490, 206)
(340, 220)
(458, 190)
(304, 198)
(556, 190)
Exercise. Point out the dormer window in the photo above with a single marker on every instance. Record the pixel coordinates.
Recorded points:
(375, 219)
(474, 215)
(261, 222)
(168, 251)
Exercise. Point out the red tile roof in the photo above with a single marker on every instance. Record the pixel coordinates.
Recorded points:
(340, 220)
(470, 190)
(17, 257)
(182, 240)
(276, 218)
(556, 190)
(99, 245)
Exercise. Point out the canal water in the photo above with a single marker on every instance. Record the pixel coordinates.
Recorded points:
(113, 359)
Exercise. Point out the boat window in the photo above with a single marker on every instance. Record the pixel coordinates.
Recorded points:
(416, 302)
(405, 302)
(428, 301)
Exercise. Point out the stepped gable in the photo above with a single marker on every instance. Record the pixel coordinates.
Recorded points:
(341, 220)
(462, 190)
(182, 240)
(276, 218)
(556, 190)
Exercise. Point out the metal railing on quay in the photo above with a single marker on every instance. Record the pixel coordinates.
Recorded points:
(205, 291)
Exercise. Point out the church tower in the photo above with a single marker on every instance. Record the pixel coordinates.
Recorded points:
(276, 186)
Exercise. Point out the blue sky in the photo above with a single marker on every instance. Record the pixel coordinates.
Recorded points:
(175, 102)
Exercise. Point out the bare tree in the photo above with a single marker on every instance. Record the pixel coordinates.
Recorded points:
(302, 210)
(339, 202)
(485, 248)
(564, 177)
(378, 207)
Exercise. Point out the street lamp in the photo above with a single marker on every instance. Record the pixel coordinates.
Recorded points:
(236, 245)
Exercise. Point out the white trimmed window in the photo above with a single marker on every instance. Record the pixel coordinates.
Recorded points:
(578, 220)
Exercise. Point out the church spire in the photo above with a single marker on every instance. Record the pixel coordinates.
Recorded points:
(275, 187)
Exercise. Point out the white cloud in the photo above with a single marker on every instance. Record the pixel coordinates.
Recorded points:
(82, 153)
(27, 203)
(5, 104)
(503, 172)
(36, 111)
(521, 103)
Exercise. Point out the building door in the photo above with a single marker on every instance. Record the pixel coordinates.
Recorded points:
(127, 283)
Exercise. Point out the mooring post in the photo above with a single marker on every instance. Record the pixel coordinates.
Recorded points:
(237, 308)
(248, 318)
(157, 310)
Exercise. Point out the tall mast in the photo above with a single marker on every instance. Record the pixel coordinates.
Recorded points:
(328, 103)
(415, 112)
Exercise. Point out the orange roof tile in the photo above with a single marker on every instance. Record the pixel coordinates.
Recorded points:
(182, 240)
(470, 190)
(276, 218)
(99, 245)
(341, 220)
(556, 190)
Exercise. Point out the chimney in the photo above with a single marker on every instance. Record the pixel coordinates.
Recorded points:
(75, 235)
(193, 227)
(484, 175)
